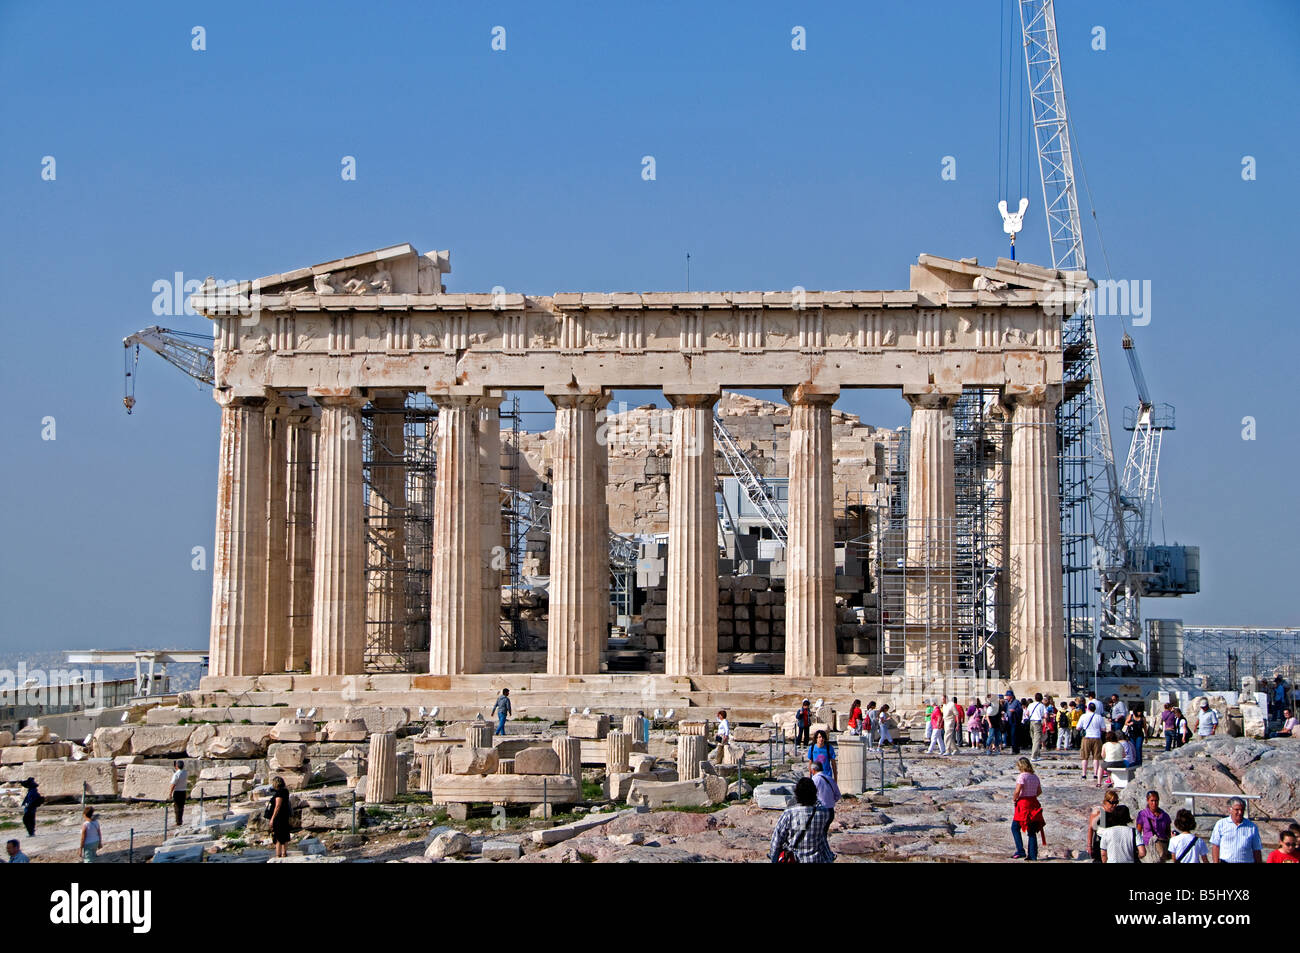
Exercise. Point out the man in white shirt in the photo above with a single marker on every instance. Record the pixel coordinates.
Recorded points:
(1090, 727)
(1035, 713)
(178, 789)
(1235, 840)
(1118, 713)
(1207, 721)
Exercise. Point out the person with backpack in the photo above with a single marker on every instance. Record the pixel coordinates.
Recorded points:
(882, 720)
(1185, 847)
(1090, 726)
(1119, 842)
(91, 837)
(31, 801)
(800, 833)
(993, 712)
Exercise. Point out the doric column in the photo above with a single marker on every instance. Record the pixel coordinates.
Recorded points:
(570, 752)
(301, 451)
(239, 559)
(456, 611)
(489, 457)
(381, 768)
(575, 635)
(810, 546)
(691, 750)
(1037, 613)
(691, 639)
(338, 621)
(600, 552)
(275, 642)
(931, 513)
(618, 748)
(386, 526)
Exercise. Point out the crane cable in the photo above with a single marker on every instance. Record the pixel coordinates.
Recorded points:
(128, 384)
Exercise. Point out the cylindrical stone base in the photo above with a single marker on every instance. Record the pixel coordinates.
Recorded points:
(634, 725)
(570, 752)
(691, 750)
(478, 735)
(381, 774)
(618, 747)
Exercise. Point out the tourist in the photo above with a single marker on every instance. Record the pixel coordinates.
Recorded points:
(1169, 722)
(501, 708)
(178, 788)
(1112, 757)
(993, 711)
(1154, 824)
(870, 721)
(1028, 815)
(1090, 726)
(1014, 716)
(800, 834)
(855, 717)
(960, 724)
(1277, 697)
(1136, 726)
(279, 816)
(802, 723)
(1035, 715)
(1119, 842)
(883, 720)
(31, 801)
(1049, 723)
(1290, 726)
(951, 719)
(16, 856)
(929, 721)
(1184, 730)
(1207, 721)
(828, 793)
(1130, 749)
(1076, 714)
(935, 729)
(823, 752)
(1235, 839)
(1185, 847)
(723, 737)
(1098, 820)
(975, 724)
(91, 837)
(1118, 714)
(1286, 852)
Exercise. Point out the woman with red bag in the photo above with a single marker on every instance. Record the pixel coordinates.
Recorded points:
(1029, 813)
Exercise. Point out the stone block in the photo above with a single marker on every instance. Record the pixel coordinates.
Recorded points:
(448, 844)
(346, 729)
(378, 719)
(178, 854)
(557, 835)
(774, 795)
(591, 726)
(147, 782)
(65, 779)
(700, 792)
(33, 735)
(502, 850)
(287, 755)
(111, 742)
(299, 730)
(537, 760)
(505, 789)
(47, 751)
(160, 741)
(480, 761)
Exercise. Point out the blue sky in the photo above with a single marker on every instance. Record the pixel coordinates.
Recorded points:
(774, 168)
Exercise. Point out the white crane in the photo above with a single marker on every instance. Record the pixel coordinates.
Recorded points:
(192, 353)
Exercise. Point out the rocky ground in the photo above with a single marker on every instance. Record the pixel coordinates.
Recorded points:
(943, 809)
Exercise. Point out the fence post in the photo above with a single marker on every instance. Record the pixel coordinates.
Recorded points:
(165, 808)
(130, 850)
(229, 787)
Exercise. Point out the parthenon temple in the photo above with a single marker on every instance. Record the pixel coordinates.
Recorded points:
(307, 358)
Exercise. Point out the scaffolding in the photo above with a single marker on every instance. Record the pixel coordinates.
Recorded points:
(1226, 654)
(399, 531)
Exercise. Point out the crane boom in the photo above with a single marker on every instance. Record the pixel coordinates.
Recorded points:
(190, 352)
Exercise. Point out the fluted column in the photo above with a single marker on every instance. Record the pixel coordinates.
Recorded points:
(275, 642)
(570, 752)
(575, 635)
(381, 768)
(691, 750)
(931, 511)
(810, 546)
(386, 529)
(456, 623)
(239, 558)
(1037, 612)
(301, 462)
(339, 559)
(489, 456)
(691, 639)
(618, 748)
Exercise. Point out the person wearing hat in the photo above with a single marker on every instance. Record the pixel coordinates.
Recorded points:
(1207, 721)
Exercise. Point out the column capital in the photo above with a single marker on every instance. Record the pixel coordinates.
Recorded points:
(338, 396)
(931, 400)
(230, 398)
(449, 392)
(816, 394)
(585, 398)
(491, 400)
(1039, 395)
(696, 399)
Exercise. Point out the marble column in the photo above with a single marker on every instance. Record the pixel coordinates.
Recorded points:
(575, 635)
(456, 612)
(338, 621)
(691, 639)
(810, 545)
(301, 462)
(618, 748)
(691, 750)
(386, 530)
(494, 560)
(931, 513)
(239, 558)
(381, 768)
(478, 734)
(1037, 612)
(275, 642)
(570, 752)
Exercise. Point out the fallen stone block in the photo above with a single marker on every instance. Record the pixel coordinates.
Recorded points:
(588, 726)
(33, 735)
(346, 729)
(537, 760)
(505, 789)
(478, 761)
(774, 795)
(66, 779)
(699, 792)
(178, 854)
(45, 751)
(556, 835)
(110, 742)
(210, 789)
(448, 843)
(294, 729)
(160, 741)
(502, 850)
(378, 720)
(147, 782)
